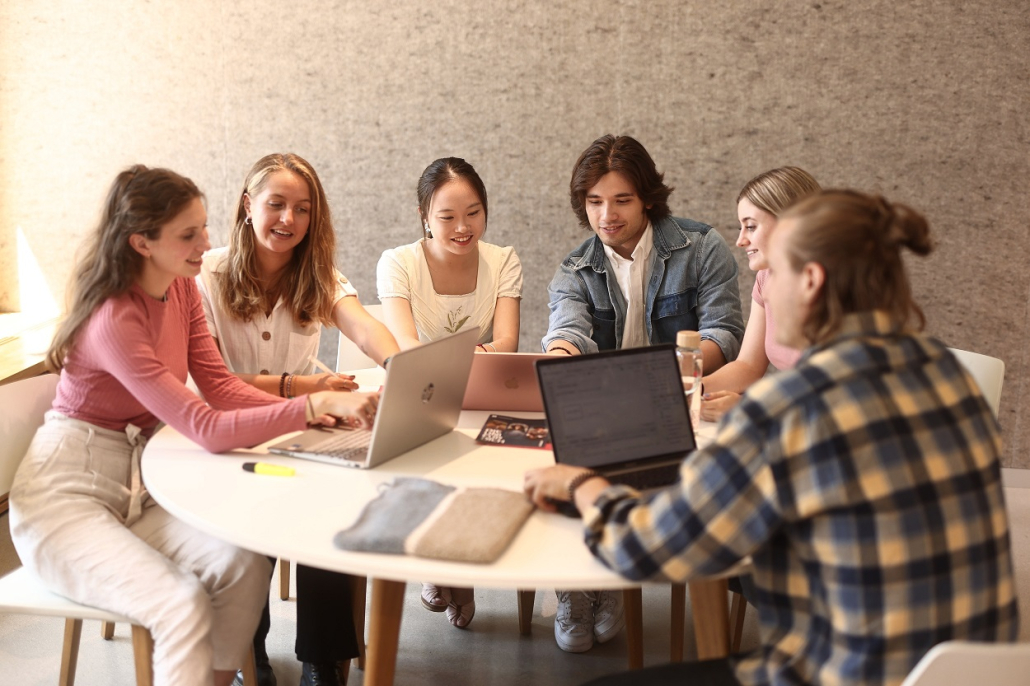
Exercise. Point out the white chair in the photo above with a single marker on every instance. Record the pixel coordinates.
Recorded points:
(349, 355)
(988, 372)
(22, 406)
(962, 663)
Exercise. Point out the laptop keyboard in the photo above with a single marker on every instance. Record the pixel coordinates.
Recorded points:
(345, 445)
(648, 478)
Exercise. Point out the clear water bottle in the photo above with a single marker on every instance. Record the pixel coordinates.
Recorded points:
(688, 353)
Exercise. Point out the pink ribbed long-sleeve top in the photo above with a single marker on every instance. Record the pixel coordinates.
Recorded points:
(129, 363)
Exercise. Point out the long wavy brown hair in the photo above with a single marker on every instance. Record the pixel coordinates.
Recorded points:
(308, 285)
(142, 201)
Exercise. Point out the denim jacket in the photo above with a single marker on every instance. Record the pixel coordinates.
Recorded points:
(692, 285)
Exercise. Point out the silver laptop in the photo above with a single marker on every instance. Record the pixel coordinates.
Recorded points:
(621, 413)
(420, 401)
(504, 382)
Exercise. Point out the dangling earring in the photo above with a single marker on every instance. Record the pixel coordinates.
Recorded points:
(429, 232)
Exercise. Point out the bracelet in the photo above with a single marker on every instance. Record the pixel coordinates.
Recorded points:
(289, 387)
(480, 345)
(493, 348)
(386, 361)
(562, 348)
(282, 384)
(579, 480)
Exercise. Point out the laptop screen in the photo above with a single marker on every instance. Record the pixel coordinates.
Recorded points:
(615, 407)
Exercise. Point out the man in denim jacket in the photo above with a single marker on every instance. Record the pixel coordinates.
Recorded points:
(645, 274)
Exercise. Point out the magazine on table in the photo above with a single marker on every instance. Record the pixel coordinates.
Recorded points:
(519, 432)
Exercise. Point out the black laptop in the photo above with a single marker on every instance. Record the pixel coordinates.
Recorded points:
(621, 413)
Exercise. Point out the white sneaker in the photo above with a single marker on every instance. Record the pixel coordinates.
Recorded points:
(608, 615)
(574, 623)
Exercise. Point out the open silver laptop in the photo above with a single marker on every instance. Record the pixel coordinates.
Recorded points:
(504, 382)
(621, 413)
(420, 401)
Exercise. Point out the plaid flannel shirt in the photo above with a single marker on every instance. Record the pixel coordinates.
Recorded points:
(866, 487)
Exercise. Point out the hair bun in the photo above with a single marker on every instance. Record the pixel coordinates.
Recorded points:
(903, 226)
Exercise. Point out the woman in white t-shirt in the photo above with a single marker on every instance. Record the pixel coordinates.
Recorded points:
(450, 280)
(446, 282)
(266, 297)
(759, 203)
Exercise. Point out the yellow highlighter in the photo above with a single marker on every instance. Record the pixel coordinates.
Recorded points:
(268, 469)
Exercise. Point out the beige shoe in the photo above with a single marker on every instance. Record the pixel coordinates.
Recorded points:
(462, 607)
(435, 598)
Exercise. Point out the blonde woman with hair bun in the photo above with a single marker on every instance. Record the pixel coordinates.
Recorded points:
(759, 203)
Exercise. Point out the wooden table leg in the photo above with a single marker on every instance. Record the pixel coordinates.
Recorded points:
(708, 601)
(677, 620)
(384, 629)
(526, 601)
(359, 590)
(633, 606)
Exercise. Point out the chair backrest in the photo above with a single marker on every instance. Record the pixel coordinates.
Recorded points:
(22, 406)
(349, 355)
(961, 663)
(988, 372)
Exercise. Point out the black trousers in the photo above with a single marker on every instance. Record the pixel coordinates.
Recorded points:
(707, 673)
(325, 618)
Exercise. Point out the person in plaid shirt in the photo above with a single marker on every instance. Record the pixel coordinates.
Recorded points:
(864, 484)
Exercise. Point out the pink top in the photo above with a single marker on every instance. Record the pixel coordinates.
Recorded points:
(780, 356)
(128, 366)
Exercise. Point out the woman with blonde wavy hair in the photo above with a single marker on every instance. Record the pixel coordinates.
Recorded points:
(760, 202)
(266, 297)
(81, 517)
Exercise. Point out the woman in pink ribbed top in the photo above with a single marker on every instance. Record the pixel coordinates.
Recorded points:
(760, 202)
(81, 518)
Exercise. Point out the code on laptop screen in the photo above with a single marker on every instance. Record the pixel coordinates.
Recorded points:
(616, 407)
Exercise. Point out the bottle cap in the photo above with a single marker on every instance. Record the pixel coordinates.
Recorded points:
(688, 339)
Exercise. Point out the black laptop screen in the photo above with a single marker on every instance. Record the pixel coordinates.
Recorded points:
(615, 407)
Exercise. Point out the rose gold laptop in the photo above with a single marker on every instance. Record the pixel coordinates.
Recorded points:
(504, 382)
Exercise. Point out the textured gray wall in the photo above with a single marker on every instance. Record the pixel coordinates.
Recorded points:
(922, 101)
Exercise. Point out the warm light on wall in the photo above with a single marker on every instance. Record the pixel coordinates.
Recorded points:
(35, 299)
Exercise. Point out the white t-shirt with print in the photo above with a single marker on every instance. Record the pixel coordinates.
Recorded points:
(404, 273)
(264, 345)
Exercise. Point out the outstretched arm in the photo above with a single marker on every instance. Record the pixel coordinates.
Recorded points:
(371, 336)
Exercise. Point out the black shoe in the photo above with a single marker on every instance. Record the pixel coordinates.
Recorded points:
(265, 677)
(320, 674)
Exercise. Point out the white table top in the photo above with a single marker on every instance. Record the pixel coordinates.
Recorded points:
(297, 517)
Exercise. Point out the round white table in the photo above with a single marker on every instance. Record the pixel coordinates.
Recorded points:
(297, 517)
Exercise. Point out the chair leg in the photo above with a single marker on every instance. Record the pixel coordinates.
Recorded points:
(678, 617)
(738, 608)
(284, 579)
(526, 601)
(632, 603)
(70, 651)
(143, 655)
(107, 630)
(359, 592)
(249, 667)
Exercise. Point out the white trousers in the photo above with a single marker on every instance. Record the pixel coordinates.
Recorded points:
(83, 522)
